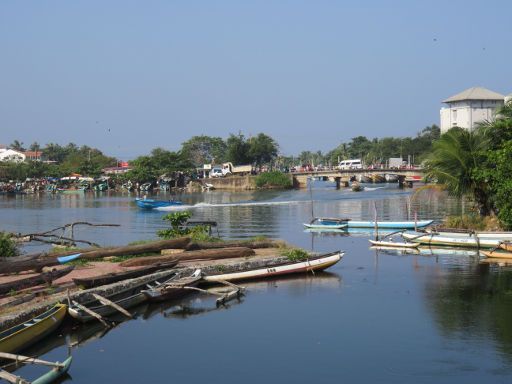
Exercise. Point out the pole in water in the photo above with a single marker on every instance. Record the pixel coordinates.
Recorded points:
(376, 225)
(311, 197)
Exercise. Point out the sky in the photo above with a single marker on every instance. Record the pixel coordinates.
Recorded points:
(129, 76)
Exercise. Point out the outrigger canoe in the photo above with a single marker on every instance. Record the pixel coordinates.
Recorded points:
(497, 254)
(393, 244)
(25, 334)
(451, 232)
(152, 204)
(327, 223)
(459, 241)
(174, 288)
(314, 263)
(58, 370)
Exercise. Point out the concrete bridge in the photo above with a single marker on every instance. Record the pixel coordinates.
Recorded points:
(344, 176)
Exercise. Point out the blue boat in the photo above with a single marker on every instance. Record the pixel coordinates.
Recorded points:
(151, 203)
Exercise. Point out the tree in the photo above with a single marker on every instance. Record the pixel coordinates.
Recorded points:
(35, 146)
(238, 149)
(17, 146)
(203, 149)
(455, 159)
(262, 149)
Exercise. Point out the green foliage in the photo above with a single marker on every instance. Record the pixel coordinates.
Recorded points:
(159, 162)
(295, 254)
(474, 222)
(8, 246)
(203, 149)
(238, 149)
(273, 179)
(262, 149)
(177, 221)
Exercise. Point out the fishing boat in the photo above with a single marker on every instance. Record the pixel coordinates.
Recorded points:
(391, 177)
(456, 232)
(454, 241)
(58, 370)
(151, 203)
(109, 278)
(326, 223)
(125, 299)
(389, 224)
(174, 288)
(497, 254)
(313, 263)
(27, 333)
(364, 178)
(393, 244)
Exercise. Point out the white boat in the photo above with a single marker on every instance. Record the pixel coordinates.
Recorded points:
(393, 244)
(326, 223)
(314, 263)
(389, 224)
(471, 234)
(454, 241)
(391, 177)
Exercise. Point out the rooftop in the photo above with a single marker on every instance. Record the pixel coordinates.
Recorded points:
(475, 93)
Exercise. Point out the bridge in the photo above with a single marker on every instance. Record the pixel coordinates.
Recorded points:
(345, 176)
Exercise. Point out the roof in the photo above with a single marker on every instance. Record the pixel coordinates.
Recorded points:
(475, 93)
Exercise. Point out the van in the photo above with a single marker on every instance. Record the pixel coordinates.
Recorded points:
(216, 172)
(351, 164)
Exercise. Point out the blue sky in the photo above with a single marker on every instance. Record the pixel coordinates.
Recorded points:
(128, 76)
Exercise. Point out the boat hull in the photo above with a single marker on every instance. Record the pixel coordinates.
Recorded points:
(432, 239)
(55, 373)
(394, 244)
(152, 204)
(497, 254)
(23, 335)
(389, 224)
(317, 264)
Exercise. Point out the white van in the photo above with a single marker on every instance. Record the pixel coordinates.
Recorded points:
(351, 164)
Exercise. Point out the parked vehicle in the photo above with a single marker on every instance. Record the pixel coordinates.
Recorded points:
(229, 168)
(351, 164)
(216, 172)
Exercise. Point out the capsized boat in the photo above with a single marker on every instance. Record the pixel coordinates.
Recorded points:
(326, 223)
(453, 241)
(174, 288)
(29, 332)
(313, 263)
(152, 203)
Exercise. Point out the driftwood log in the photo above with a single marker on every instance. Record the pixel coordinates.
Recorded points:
(206, 254)
(42, 278)
(254, 244)
(97, 253)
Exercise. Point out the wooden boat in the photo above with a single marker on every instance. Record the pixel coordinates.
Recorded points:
(506, 245)
(497, 254)
(314, 263)
(151, 203)
(455, 232)
(391, 177)
(364, 179)
(41, 278)
(174, 288)
(125, 299)
(58, 370)
(109, 278)
(458, 241)
(23, 335)
(394, 244)
(326, 223)
(389, 224)
(376, 178)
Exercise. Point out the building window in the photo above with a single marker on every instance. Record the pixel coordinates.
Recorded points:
(454, 114)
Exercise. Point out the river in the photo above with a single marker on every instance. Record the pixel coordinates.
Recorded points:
(376, 316)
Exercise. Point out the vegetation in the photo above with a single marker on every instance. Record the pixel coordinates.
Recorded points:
(8, 246)
(273, 179)
(178, 228)
(477, 165)
(295, 254)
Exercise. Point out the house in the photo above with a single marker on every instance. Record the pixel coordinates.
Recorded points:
(33, 155)
(472, 106)
(12, 155)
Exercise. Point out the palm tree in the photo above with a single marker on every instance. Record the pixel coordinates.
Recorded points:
(455, 158)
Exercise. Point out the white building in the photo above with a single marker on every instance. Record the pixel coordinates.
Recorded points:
(469, 107)
(11, 155)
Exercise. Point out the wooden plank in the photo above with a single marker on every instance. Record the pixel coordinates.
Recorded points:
(106, 301)
(10, 378)
(29, 360)
(90, 312)
(235, 294)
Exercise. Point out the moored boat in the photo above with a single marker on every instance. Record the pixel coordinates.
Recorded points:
(109, 278)
(391, 177)
(497, 254)
(313, 263)
(393, 244)
(174, 288)
(29, 332)
(125, 299)
(389, 224)
(58, 370)
(435, 239)
(151, 203)
(326, 223)
(455, 232)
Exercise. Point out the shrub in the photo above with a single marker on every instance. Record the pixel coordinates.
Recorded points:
(295, 254)
(178, 228)
(8, 247)
(273, 179)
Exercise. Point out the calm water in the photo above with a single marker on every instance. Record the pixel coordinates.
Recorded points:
(374, 317)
